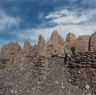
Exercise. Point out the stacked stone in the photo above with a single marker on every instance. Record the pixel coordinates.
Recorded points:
(82, 60)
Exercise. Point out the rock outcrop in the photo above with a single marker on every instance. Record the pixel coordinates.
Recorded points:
(41, 45)
(70, 40)
(8, 52)
(69, 44)
(55, 46)
(93, 42)
(10, 49)
(27, 47)
(82, 44)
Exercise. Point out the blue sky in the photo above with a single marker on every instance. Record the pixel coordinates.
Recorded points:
(22, 20)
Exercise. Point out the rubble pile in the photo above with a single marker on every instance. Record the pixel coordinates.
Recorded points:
(82, 70)
(84, 78)
(82, 60)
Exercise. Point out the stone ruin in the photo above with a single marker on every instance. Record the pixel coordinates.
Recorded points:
(82, 60)
(81, 48)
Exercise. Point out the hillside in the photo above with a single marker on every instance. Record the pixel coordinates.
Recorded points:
(41, 70)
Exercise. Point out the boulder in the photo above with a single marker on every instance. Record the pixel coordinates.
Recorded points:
(9, 50)
(55, 46)
(82, 44)
(41, 45)
(92, 46)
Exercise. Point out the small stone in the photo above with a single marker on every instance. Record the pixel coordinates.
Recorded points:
(69, 93)
(48, 69)
(42, 61)
(87, 86)
(59, 55)
(89, 94)
(50, 65)
(0, 93)
(15, 91)
(67, 76)
(77, 87)
(38, 82)
(79, 72)
(69, 80)
(34, 88)
(12, 91)
(44, 77)
(44, 72)
(62, 86)
(56, 82)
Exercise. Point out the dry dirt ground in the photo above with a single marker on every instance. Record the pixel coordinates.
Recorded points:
(45, 77)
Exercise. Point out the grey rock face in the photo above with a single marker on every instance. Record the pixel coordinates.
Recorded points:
(82, 43)
(27, 46)
(70, 40)
(12, 47)
(55, 45)
(69, 44)
(9, 49)
(41, 45)
(93, 42)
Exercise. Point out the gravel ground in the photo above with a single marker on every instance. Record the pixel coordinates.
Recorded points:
(37, 75)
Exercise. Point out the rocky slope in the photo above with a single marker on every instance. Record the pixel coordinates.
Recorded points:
(27, 78)
(40, 69)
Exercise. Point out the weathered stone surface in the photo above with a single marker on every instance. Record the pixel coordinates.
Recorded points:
(41, 45)
(70, 40)
(27, 46)
(56, 39)
(12, 47)
(83, 60)
(82, 44)
(55, 45)
(69, 44)
(9, 49)
(93, 42)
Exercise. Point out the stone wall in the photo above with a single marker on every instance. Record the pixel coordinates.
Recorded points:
(82, 60)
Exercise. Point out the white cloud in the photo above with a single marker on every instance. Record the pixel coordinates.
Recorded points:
(65, 16)
(66, 21)
(7, 21)
(70, 19)
(57, 14)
